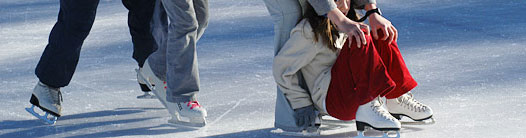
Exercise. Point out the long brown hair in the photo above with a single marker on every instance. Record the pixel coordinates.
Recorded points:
(323, 28)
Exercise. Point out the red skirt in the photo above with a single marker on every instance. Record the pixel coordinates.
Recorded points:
(361, 74)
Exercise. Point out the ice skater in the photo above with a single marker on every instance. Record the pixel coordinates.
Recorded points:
(60, 57)
(346, 78)
(286, 14)
(172, 70)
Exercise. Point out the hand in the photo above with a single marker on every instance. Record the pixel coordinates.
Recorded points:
(378, 22)
(351, 28)
(305, 116)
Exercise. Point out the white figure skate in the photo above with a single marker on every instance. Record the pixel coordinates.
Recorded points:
(374, 115)
(407, 106)
(184, 113)
(49, 100)
(188, 114)
(144, 88)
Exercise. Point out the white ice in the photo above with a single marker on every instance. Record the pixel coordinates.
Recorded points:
(469, 58)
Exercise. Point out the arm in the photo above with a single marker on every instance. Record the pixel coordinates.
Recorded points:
(297, 52)
(351, 28)
(379, 23)
(344, 24)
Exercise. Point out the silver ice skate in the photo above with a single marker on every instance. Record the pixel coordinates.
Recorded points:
(48, 99)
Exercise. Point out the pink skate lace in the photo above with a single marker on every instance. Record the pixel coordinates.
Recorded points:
(194, 104)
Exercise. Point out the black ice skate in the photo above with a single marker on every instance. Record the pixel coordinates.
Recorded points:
(373, 115)
(48, 99)
(407, 106)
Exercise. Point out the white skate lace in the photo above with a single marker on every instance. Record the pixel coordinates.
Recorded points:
(410, 103)
(377, 108)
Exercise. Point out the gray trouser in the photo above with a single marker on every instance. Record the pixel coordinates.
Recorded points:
(286, 14)
(176, 27)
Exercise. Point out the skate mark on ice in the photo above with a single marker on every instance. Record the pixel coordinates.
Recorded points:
(228, 111)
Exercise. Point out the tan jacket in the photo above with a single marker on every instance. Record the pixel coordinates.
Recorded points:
(313, 59)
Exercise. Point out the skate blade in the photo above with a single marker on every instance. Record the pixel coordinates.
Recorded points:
(44, 118)
(146, 96)
(191, 123)
(429, 121)
(303, 133)
(385, 135)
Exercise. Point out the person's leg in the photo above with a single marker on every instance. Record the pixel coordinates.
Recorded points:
(357, 77)
(182, 74)
(139, 18)
(60, 57)
(202, 15)
(400, 101)
(393, 61)
(159, 24)
(59, 60)
(285, 14)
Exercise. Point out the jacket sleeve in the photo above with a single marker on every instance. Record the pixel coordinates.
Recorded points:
(297, 52)
(360, 4)
(322, 7)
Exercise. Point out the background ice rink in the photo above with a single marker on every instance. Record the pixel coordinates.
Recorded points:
(469, 58)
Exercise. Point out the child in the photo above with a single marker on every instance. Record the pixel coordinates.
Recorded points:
(345, 82)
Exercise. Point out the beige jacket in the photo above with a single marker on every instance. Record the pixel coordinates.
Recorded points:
(313, 59)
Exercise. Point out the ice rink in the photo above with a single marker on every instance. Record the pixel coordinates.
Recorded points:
(469, 58)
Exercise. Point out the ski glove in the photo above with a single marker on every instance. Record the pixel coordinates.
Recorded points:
(305, 116)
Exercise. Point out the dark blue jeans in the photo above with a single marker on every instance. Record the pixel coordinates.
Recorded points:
(60, 57)
(139, 18)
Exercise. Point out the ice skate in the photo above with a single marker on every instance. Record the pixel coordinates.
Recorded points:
(144, 88)
(185, 113)
(188, 114)
(374, 115)
(49, 100)
(158, 86)
(407, 106)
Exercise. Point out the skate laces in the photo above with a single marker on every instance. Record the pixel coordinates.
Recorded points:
(377, 107)
(193, 104)
(410, 103)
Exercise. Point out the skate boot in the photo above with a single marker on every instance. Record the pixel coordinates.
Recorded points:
(144, 88)
(188, 113)
(158, 86)
(185, 113)
(48, 99)
(407, 106)
(374, 115)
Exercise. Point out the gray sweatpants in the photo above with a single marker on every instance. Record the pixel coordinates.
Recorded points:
(285, 13)
(176, 27)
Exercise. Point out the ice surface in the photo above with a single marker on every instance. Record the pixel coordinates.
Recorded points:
(468, 56)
